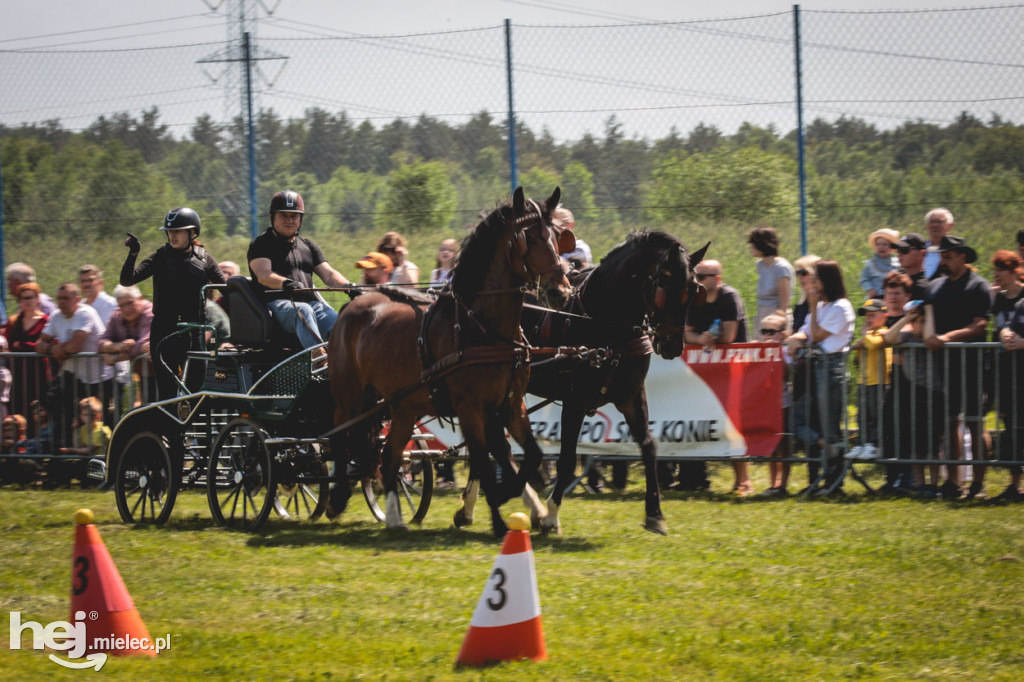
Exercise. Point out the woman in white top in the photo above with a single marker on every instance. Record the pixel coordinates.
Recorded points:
(829, 328)
(445, 263)
(774, 276)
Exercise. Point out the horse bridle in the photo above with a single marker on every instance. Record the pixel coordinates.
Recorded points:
(518, 246)
(657, 299)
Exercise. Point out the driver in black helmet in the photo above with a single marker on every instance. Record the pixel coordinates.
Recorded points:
(281, 259)
(180, 269)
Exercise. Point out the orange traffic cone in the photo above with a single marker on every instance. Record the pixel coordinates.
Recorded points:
(112, 623)
(506, 624)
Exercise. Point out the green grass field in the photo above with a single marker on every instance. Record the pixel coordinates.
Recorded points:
(855, 588)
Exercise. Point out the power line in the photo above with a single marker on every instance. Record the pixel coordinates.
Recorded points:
(106, 28)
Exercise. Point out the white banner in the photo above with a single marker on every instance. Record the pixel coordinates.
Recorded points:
(718, 403)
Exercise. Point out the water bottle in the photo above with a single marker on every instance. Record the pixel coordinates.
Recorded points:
(715, 330)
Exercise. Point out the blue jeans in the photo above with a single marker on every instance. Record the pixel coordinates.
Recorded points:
(319, 318)
(829, 383)
(818, 413)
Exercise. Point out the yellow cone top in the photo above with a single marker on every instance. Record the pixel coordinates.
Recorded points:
(518, 521)
(84, 517)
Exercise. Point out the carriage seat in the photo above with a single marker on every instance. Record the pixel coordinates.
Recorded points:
(252, 322)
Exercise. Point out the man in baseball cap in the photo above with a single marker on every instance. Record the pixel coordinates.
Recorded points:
(910, 249)
(376, 268)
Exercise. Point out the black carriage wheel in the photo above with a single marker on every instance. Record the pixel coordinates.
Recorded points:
(146, 482)
(302, 484)
(415, 490)
(239, 478)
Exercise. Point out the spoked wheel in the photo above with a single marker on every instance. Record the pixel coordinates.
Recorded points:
(145, 484)
(415, 490)
(302, 483)
(239, 480)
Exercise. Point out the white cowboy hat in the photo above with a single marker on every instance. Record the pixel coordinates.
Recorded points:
(890, 235)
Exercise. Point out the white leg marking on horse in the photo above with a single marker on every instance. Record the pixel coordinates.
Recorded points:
(550, 522)
(537, 509)
(393, 515)
(469, 498)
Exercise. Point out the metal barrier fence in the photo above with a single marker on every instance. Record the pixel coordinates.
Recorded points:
(913, 422)
(411, 131)
(49, 399)
(915, 418)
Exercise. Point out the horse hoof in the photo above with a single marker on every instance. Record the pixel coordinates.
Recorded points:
(337, 501)
(537, 521)
(553, 530)
(460, 519)
(656, 526)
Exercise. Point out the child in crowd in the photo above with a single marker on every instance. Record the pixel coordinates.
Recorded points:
(42, 444)
(875, 363)
(12, 438)
(773, 330)
(879, 265)
(13, 430)
(92, 435)
(445, 263)
(5, 380)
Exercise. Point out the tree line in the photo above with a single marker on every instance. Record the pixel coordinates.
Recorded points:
(429, 174)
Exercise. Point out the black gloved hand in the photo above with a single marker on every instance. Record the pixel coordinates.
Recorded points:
(133, 243)
(289, 285)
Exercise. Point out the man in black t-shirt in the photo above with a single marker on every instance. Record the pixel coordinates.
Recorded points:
(957, 308)
(281, 259)
(911, 250)
(724, 304)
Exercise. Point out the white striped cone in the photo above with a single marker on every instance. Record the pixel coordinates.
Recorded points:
(506, 625)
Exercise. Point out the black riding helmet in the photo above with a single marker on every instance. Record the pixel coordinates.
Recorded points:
(287, 201)
(183, 218)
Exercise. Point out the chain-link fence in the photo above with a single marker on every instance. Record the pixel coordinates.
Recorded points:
(655, 121)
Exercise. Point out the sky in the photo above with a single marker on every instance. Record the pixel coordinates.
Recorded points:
(29, 19)
(426, 59)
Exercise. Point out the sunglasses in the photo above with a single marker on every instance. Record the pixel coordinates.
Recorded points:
(701, 276)
(768, 332)
(28, 298)
(802, 273)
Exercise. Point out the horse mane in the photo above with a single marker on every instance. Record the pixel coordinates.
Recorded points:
(644, 239)
(403, 295)
(477, 250)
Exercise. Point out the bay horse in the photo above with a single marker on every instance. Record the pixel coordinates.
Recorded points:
(463, 356)
(645, 284)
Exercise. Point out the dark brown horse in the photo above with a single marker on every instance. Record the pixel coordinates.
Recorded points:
(463, 356)
(644, 284)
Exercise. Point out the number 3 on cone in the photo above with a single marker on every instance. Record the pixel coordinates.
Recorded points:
(81, 566)
(502, 595)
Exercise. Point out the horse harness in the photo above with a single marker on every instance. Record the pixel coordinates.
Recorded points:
(607, 358)
(510, 351)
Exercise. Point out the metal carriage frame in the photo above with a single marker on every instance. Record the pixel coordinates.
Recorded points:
(254, 435)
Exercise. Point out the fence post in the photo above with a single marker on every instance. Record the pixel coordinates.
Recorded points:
(3, 258)
(253, 218)
(513, 173)
(800, 129)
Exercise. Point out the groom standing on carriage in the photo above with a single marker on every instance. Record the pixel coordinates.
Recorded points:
(281, 259)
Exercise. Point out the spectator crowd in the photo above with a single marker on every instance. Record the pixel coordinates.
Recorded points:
(75, 362)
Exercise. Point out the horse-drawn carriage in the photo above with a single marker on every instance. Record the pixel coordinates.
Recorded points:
(259, 433)
(252, 435)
